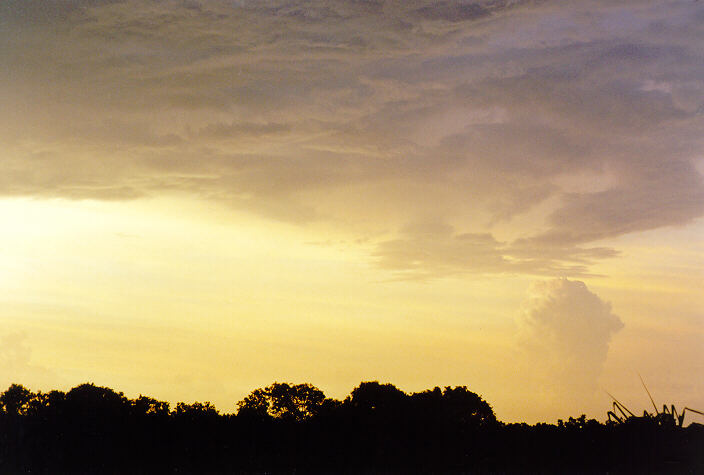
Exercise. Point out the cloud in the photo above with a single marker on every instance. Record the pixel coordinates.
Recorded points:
(565, 332)
(665, 195)
(16, 365)
(453, 11)
(364, 116)
(243, 130)
(52, 12)
(434, 249)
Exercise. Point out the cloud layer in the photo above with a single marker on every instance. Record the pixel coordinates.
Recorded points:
(369, 117)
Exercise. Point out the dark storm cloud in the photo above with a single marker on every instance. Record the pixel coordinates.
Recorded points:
(370, 115)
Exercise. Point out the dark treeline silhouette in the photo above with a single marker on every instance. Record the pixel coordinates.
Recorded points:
(286, 428)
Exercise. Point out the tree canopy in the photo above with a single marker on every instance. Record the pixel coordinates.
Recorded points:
(288, 427)
(284, 401)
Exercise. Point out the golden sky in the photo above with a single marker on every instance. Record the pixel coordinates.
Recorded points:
(199, 198)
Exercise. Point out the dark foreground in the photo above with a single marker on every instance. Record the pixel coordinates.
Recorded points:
(293, 428)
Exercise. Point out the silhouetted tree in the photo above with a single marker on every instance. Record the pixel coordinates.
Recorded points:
(256, 404)
(195, 410)
(16, 399)
(373, 396)
(147, 405)
(467, 407)
(377, 429)
(91, 401)
(283, 401)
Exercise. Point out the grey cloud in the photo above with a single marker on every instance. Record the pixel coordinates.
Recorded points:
(239, 129)
(518, 200)
(369, 113)
(523, 149)
(668, 195)
(593, 96)
(311, 11)
(452, 11)
(45, 11)
(126, 134)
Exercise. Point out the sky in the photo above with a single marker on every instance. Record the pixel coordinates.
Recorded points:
(199, 198)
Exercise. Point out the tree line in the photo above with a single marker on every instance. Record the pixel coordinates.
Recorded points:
(287, 428)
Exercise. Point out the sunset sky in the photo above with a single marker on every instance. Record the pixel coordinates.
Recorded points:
(199, 198)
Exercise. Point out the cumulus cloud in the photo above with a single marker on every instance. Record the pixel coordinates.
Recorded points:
(15, 362)
(566, 330)
(369, 115)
